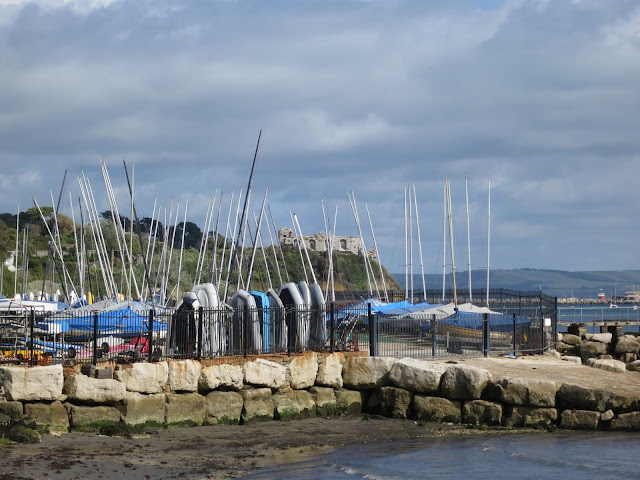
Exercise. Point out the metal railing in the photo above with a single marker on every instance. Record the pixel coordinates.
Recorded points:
(524, 323)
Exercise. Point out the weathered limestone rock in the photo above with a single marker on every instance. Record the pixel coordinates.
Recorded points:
(518, 416)
(592, 350)
(601, 337)
(80, 388)
(13, 409)
(436, 409)
(565, 348)
(574, 397)
(634, 366)
(330, 371)
(52, 415)
(608, 365)
(137, 408)
(325, 400)
(623, 404)
(263, 373)
(464, 382)
(389, 402)
(143, 377)
(184, 375)
(571, 339)
(627, 422)
(303, 371)
(481, 412)
(580, 419)
(225, 375)
(366, 373)
(32, 384)
(223, 408)
(527, 392)
(607, 416)
(418, 376)
(627, 344)
(572, 359)
(258, 405)
(22, 434)
(294, 405)
(628, 357)
(91, 418)
(185, 408)
(349, 402)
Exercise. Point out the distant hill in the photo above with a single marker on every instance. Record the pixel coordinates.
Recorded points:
(557, 283)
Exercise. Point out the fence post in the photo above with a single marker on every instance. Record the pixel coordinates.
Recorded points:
(95, 338)
(150, 336)
(200, 315)
(434, 326)
(486, 335)
(333, 328)
(373, 350)
(32, 319)
(514, 334)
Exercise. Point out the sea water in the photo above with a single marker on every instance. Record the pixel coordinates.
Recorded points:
(535, 456)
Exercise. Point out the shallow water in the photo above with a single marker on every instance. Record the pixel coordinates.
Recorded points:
(548, 456)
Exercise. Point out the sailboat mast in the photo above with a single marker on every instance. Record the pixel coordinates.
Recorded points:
(424, 286)
(453, 262)
(444, 242)
(488, 240)
(466, 193)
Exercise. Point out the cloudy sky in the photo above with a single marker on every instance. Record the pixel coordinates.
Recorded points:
(540, 97)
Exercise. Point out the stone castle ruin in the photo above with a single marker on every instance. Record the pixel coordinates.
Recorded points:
(318, 242)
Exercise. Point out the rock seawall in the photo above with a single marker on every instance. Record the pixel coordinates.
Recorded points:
(185, 392)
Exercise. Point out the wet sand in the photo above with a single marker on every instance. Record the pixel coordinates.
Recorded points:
(214, 452)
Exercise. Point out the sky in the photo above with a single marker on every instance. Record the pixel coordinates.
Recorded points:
(539, 99)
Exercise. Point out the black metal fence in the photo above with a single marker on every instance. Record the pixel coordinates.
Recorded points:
(520, 322)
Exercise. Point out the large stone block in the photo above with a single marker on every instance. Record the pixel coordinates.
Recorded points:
(263, 373)
(418, 376)
(303, 371)
(627, 344)
(349, 402)
(627, 422)
(32, 384)
(226, 376)
(325, 399)
(223, 408)
(601, 337)
(580, 419)
(13, 409)
(592, 350)
(571, 339)
(522, 391)
(330, 371)
(258, 405)
(389, 402)
(366, 373)
(184, 375)
(634, 366)
(294, 405)
(185, 408)
(80, 388)
(464, 382)
(481, 412)
(436, 409)
(609, 365)
(518, 416)
(575, 397)
(51, 415)
(142, 377)
(91, 418)
(137, 408)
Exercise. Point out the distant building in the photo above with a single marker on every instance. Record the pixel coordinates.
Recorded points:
(318, 242)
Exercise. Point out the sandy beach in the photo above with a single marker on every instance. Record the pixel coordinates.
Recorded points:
(213, 452)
